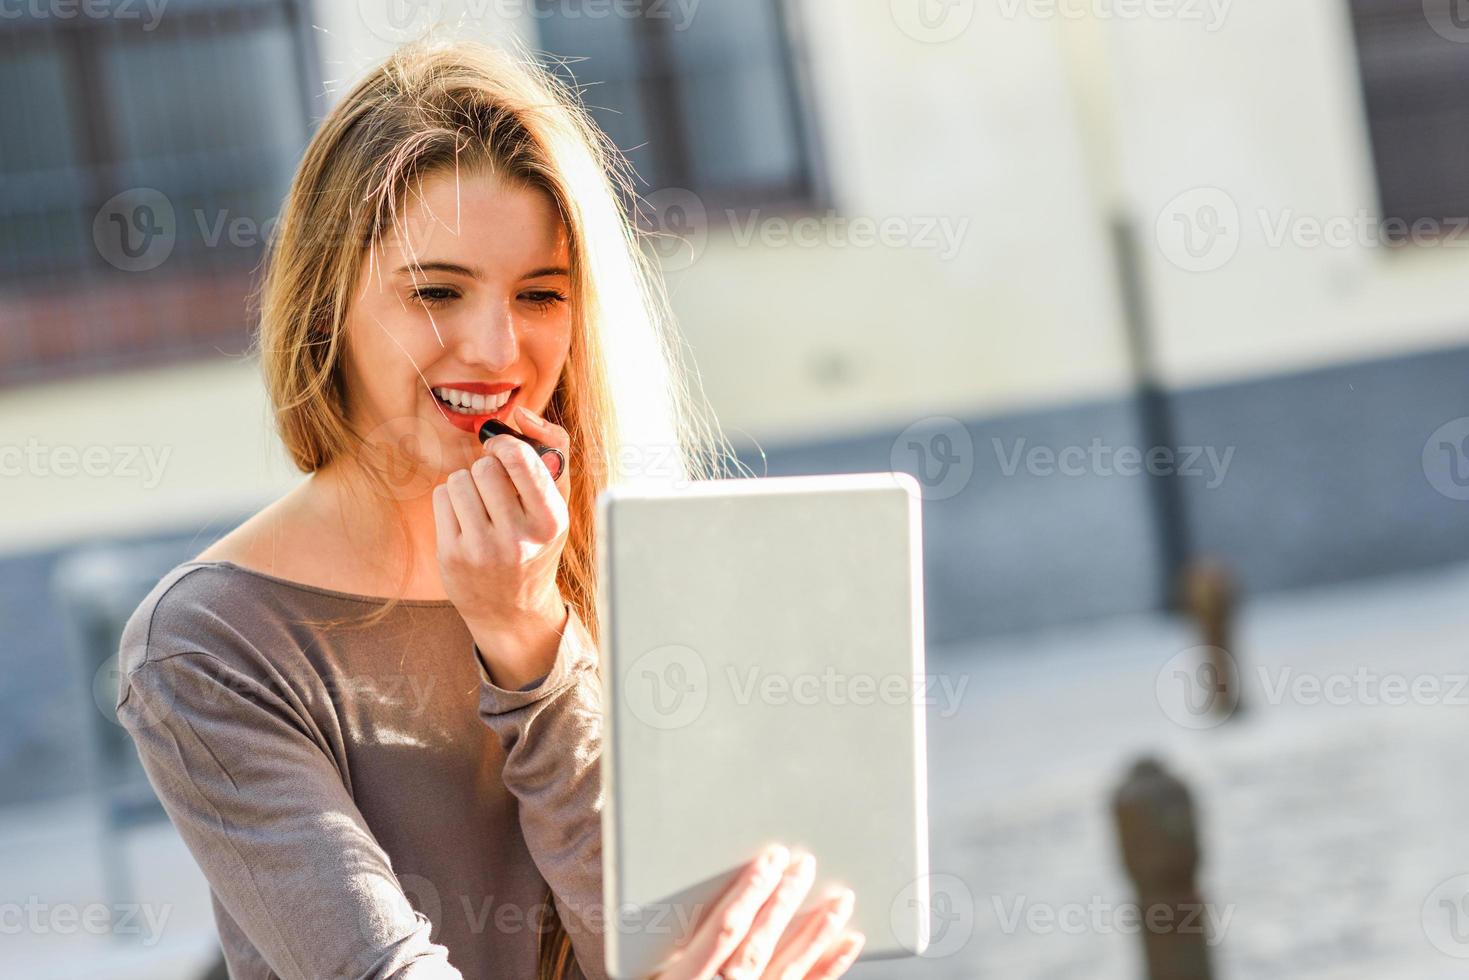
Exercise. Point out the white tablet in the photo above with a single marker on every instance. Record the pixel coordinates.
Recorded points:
(762, 669)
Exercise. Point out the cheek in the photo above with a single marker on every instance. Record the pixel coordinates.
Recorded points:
(388, 349)
(547, 346)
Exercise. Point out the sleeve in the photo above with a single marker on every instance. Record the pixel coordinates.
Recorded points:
(552, 736)
(266, 814)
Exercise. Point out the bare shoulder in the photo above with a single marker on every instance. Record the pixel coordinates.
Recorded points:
(302, 538)
(268, 541)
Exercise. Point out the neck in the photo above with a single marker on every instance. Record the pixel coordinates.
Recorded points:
(391, 534)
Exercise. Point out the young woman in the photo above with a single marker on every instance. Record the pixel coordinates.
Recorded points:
(372, 709)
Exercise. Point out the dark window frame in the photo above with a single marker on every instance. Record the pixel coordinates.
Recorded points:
(809, 190)
(1408, 75)
(49, 323)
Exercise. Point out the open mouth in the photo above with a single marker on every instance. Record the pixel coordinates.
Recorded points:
(471, 403)
(468, 410)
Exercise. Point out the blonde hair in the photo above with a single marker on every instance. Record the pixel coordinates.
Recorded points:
(438, 106)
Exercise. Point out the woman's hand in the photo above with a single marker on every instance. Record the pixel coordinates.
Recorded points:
(501, 525)
(745, 935)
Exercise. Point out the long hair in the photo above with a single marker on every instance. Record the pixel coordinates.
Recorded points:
(626, 396)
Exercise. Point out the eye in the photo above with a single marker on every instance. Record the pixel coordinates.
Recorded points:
(435, 295)
(543, 299)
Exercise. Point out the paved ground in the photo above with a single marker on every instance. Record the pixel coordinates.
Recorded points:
(1328, 827)
(1329, 822)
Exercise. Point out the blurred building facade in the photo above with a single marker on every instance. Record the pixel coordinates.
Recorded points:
(953, 237)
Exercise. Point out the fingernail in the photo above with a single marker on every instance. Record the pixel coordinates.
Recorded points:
(844, 902)
(775, 857)
(532, 416)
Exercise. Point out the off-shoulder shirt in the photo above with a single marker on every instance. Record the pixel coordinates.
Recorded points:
(366, 802)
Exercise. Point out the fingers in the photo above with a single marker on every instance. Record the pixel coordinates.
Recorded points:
(446, 525)
(839, 958)
(469, 508)
(509, 487)
(808, 942)
(497, 491)
(725, 925)
(753, 954)
(549, 434)
(541, 500)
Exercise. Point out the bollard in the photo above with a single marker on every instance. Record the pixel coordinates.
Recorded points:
(1209, 594)
(1159, 842)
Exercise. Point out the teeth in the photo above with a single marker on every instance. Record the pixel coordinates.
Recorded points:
(469, 403)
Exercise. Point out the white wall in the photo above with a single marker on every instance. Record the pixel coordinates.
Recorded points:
(164, 449)
(978, 132)
(1267, 110)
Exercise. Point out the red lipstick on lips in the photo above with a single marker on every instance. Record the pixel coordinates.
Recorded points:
(472, 422)
(487, 425)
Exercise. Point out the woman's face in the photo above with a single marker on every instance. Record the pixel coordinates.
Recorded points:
(461, 314)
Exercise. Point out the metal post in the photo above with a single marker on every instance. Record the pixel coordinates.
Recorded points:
(1160, 847)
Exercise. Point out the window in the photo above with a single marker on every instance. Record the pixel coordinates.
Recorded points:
(705, 97)
(143, 158)
(1415, 61)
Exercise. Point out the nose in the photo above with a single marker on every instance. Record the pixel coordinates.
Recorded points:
(488, 339)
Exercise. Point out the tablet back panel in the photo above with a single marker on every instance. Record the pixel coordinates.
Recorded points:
(761, 640)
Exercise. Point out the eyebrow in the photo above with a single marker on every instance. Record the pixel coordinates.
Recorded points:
(455, 269)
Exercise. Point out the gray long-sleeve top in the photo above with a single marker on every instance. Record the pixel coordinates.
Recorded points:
(366, 802)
